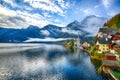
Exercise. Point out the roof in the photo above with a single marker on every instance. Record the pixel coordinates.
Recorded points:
(116, 37)
(104, 40)
(107, 30)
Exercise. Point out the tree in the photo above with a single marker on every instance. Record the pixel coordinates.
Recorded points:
(118, 23)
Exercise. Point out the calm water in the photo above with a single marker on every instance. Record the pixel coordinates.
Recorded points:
(44, 62)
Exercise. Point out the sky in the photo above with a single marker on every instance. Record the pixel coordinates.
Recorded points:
(22, 13)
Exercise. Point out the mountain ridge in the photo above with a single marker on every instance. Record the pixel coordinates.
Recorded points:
(53, 31)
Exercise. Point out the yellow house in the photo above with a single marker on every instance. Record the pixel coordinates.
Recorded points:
(103, 44)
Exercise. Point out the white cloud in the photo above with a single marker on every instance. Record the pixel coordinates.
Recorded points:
(69, 31)
(47, 15)
(20, 19)
(107, 3)
(96, 6)
(89, 11)
(112, 13)
(6, 11)
(10, 2)
(46, 39)
(45, 32)
(49, 5)
(63, 4)
(15, 5)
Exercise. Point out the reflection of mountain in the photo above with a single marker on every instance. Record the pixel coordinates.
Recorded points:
(88, 27)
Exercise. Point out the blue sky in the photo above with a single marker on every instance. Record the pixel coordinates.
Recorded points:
(22, 13)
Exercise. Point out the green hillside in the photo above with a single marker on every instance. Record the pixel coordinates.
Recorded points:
(114, 22)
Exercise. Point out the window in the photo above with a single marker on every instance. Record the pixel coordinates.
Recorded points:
(103, 48)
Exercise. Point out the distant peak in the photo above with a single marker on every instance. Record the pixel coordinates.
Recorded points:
(92, 16)
(75, 21)
(32, 27)
(50, 25)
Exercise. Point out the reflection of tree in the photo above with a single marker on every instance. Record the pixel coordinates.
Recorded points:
(75, 56)
(69, 44)
(99, 70)
(98, 65)
(71, 49)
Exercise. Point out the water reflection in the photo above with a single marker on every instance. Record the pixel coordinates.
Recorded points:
(46, 62)
(77, 53)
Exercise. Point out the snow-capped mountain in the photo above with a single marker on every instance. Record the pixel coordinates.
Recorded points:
(93, 23)
(89, 26)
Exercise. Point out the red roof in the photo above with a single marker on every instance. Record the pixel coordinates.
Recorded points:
(115, 37)
(108, 57)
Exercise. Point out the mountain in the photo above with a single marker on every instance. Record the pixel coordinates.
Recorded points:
(114, 22)
(52, 30)
(19, 35)
(75, 25)
(85, 28)
(90, 24)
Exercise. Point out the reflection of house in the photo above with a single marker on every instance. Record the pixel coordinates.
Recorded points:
(103, 44)
(111, 65)
(115, 68)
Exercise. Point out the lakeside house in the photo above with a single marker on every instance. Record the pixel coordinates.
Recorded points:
(107, 47)
(102, 44)
(86, 45)
(107, 30)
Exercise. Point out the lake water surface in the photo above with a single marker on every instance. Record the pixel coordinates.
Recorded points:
(44, 62)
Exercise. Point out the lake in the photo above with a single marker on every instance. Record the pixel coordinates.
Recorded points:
(44, 62)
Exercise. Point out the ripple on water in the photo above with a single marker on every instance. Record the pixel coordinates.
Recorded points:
(49, 62)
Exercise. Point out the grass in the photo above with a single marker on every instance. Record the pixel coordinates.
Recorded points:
(117, 73)
(118, 54)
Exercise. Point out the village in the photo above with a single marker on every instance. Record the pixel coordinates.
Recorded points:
(105, 51)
